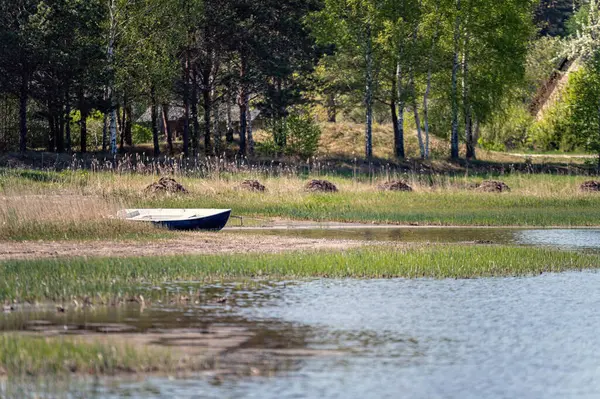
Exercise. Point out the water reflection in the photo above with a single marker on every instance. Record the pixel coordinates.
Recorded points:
(494, 338)
(560, 238)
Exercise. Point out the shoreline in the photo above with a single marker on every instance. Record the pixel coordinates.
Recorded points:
(186, 244)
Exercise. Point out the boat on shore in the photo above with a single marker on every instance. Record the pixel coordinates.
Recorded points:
(180, 219)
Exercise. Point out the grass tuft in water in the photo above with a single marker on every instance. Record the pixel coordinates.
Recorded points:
(105, 278)
(34, 355)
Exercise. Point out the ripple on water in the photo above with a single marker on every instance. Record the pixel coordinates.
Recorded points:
(495, 338)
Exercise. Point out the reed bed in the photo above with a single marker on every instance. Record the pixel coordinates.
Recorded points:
(23, 355)
(56, 216)
(107, 279)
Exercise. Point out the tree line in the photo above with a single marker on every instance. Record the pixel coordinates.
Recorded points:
(447, 65)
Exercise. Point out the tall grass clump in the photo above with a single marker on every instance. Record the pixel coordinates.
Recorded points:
(66, 217)
(35, 356)
(104, 278)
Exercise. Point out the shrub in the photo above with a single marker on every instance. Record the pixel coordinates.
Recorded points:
(141, 134)
(508, 129)
(303, 135)
(298, 134)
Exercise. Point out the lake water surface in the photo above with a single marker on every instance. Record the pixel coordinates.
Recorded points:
(534, 337)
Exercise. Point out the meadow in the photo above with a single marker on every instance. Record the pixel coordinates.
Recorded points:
(82, 204)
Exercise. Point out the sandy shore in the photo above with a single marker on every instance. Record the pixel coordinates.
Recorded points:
(185, 244)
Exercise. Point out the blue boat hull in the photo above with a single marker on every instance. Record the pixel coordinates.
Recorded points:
(210, 223)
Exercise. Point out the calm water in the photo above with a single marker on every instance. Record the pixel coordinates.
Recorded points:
(495, 338)
(534, 337)
(561, 238)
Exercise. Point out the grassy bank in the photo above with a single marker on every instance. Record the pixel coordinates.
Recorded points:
(34, 356)
(105, 278)
(83, 205)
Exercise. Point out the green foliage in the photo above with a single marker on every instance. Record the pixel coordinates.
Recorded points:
(583, 102)
(553, 131)
(303, 135)
(508, 129)
(542, 56)
(577, 21)
(267, 148)
(297, 134)
(141, 134)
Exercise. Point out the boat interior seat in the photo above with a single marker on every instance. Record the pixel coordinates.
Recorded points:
(133, 214)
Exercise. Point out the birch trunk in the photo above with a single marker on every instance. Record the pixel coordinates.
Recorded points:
(369, 94)
(111, 89)
(123, 123)
(168, 131)
(426, 114)
(413, 92)
(394, 105)
(112, 128)
(466, 103)
(249, 127)
(455, 67)
(416, 114)
(399, 138)
(186, 103)
(428, 84)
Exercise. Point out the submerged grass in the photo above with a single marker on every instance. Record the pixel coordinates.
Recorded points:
(23, 355)
(105, 278)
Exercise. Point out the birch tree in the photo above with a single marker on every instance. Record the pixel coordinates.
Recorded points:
(354, 27)
(400, 19)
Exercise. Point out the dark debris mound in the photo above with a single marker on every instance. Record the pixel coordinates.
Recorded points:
(493, 186)
(395, 185)
(321, 186)
(165, 185)
(253, 185)
(590, 186)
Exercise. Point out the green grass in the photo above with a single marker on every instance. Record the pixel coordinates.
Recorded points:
(430, 208)
(35, 356)
(103, 229)
(60, 280)
(535, 200)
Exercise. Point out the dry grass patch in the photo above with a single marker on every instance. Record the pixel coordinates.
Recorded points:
(64, 216)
